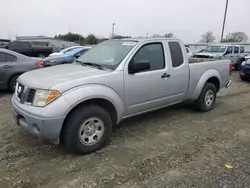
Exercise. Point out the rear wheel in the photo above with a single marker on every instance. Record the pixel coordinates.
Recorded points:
(87, 129)
(207, 98)
(12, 83)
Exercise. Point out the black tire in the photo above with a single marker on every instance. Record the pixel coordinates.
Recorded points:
(200, 103)
(238, 65)
(72, 126)
(12, 83)
(244, 79)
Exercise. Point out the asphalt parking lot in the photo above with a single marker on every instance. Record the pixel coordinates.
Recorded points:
(173, 147)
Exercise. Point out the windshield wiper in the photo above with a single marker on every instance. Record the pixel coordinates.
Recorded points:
(90, 64)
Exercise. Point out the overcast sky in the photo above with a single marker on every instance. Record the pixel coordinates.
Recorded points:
(187, 19)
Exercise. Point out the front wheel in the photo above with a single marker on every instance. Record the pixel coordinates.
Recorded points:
(207, 98)
(12, 83)
(87, 129)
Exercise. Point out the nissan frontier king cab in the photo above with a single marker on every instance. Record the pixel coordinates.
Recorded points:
(81, 102)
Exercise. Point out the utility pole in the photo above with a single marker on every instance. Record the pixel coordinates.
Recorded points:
(224, 21)
(113, 30)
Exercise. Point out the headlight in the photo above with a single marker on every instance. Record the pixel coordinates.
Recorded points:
(44, 97)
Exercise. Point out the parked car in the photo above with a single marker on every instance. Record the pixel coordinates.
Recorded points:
(189, 52)
(81, 102)
(61, 52)
(12, 65)
(245, 69)
(236, 53)
(67, 57)
(30, 49)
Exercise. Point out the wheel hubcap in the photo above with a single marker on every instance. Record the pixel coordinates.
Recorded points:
(91, 131)
(209, 98)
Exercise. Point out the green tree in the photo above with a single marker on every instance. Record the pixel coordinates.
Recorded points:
(91, 39)
(120, 37)
(73, 37)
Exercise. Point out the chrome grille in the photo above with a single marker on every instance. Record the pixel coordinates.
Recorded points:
(24, 94)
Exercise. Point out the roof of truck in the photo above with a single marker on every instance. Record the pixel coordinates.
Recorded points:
(145, 39)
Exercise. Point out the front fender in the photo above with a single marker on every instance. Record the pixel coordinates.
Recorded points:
(78, 95)
(204, 78)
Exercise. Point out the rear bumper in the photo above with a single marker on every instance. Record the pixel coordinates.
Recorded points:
(244, 74)
(48, 128)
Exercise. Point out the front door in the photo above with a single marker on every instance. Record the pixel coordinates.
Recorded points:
(147, 89)
(229, 53)
(235, 54)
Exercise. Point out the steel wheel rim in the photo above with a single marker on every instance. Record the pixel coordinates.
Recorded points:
(91, 131)
(209, 98)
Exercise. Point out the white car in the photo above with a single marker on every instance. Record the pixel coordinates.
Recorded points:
(189, 52)
(65, 50)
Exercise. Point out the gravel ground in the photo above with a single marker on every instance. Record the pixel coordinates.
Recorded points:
(173, 147)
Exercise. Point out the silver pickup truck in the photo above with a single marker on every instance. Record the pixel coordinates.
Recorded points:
(81, 102)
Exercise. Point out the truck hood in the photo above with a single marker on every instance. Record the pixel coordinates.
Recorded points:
(45, 78)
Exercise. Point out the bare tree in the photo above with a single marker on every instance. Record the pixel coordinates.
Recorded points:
(236, 37)
(167, 35)
(207, 37)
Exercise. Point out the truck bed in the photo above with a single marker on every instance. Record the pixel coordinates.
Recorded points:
(199, 70)
(199, 60)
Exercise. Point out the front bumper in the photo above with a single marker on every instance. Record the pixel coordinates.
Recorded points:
(42, 127)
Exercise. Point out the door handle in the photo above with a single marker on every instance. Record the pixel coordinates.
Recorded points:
(165, 75)
(7, 66)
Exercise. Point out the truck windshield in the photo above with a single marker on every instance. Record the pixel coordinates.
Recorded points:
(215, 49)
(108, 54)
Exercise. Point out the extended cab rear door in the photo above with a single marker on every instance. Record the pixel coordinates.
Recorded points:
(178, 68)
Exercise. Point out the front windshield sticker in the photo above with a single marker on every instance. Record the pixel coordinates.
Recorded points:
(129, 43)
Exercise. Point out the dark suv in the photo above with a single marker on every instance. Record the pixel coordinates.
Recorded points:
(30, 49)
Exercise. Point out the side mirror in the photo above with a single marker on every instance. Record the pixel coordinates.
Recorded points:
(135, 67)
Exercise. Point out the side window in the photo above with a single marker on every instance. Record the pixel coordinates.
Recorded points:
(229, 50)
(236, 49)
(242, 50)
(10, 58)
(187, 50)
(176, 54)
(80, 53)
(2, 57)
(152, 53)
